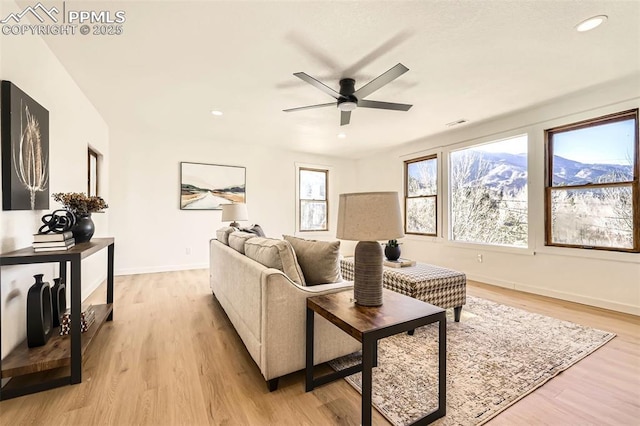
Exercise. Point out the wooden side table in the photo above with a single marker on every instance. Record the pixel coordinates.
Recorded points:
(399, 313)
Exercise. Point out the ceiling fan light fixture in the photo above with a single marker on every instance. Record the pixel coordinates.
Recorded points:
(341, 135)
(591, 23)
(347, 106)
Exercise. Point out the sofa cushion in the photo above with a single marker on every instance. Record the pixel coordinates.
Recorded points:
(276, 254)
(319, 260)
(237, 240)
(222, 234)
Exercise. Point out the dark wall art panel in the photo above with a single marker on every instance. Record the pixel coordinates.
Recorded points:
(25, 150)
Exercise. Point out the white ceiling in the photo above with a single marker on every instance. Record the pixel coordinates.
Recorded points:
(176, 61)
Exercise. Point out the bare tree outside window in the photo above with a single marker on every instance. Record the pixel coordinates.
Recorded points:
(489, 198)
(314, 207)
(421, 195)
(592, 184)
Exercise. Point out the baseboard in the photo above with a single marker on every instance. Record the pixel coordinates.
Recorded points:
(154, 269)
(492, 281)
(585, 300)
(570, 297)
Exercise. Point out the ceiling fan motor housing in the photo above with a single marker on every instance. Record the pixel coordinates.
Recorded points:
(347, 101)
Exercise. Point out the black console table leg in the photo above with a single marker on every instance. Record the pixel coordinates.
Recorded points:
(76, 309)
(110, 252)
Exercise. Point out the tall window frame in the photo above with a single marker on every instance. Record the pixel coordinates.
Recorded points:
(633, 184)
(316, 200)
(432, 195)
(93, 164)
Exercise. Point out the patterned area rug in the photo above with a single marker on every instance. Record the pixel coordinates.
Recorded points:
(496, 355)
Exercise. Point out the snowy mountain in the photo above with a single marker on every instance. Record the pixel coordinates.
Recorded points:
(508, 172)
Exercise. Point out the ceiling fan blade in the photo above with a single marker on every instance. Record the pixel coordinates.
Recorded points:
(383, 105)
(380, 81)
(309, 107)
(312, 81)
(345, 117)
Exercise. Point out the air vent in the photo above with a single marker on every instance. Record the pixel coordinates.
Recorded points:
(457, 122)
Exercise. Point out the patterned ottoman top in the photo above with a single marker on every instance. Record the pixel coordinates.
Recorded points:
(422, 272)
(419, 273)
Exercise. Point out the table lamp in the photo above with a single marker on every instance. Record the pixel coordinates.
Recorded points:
(368, 217)
(233, 212)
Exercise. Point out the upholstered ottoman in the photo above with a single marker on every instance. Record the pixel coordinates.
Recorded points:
(438, 286)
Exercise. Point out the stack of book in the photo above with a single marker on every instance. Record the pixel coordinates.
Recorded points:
(400, 263)
(53, 242)
(87, 318)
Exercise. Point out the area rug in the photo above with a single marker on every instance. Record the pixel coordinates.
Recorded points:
(496, 355)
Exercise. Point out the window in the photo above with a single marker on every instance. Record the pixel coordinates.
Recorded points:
(488, 193)
(421, 195)
(313, 207)
(592, 184)
(92, 178)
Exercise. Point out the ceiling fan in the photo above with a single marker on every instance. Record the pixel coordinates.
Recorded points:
(349, 99)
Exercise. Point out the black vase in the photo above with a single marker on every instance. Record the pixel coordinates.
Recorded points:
(39, 313)
(59, 300)
(84, 228)
(392, 253)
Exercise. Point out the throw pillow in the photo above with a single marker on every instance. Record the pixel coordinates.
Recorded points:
(255, 229)
(277, 254)
(222, 234)
(319, 260)
(237, 240)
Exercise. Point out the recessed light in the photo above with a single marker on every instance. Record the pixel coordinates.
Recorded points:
(591, 23)
(341, 135)
(216, 112)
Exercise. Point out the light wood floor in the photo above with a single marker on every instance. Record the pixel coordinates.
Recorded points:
(171, 357)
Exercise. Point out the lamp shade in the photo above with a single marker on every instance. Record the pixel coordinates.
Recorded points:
(233, 212)
(369, 216)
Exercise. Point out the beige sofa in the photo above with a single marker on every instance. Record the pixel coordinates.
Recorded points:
(268, 311)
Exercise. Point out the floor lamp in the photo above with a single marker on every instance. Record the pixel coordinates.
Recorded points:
(369, 217)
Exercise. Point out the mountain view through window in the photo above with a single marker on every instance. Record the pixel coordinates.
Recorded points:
(590, 196)
(488, 189)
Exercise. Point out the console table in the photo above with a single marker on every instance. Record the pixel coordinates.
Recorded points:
(59, 351)
(398, 313)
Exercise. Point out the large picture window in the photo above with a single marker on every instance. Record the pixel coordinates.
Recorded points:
(488, 193)
(314, 206)
(421, 195)
(591, 195)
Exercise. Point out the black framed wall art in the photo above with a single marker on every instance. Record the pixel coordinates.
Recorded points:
(25, 150)
(209, 186)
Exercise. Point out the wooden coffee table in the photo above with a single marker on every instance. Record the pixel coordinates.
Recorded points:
(398, 314)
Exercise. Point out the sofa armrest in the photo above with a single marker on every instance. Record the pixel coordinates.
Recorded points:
(284, 325)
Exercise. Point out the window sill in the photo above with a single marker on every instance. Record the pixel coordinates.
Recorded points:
(613, 256)
(488, 247)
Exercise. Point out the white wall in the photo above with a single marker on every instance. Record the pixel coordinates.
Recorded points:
(605, 279)
(27, 62)
(153, 234)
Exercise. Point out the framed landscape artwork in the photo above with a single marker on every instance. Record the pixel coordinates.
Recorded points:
(209, 186)
(25, 150)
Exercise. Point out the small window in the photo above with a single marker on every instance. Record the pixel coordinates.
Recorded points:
(314, 207)
(592, 184)
(421, 195)
(92, 178)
